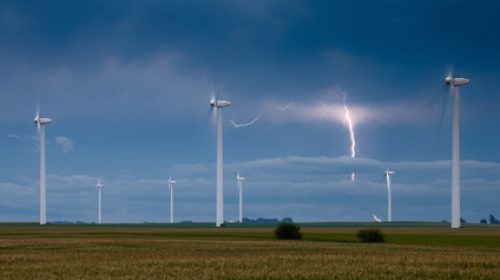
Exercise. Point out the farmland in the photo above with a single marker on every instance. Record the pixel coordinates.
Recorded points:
(29, 251)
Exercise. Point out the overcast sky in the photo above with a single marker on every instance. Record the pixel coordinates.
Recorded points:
(128, 84)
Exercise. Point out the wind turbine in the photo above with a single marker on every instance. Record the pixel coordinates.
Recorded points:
(239, 183)
(454, 83)
(171, 189)
(388, 174)
(219, 209)
(100, 186)
(40, 125)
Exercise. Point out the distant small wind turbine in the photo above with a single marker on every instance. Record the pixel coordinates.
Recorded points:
(388, 174)
(171, 189)
(454, 83)
(235, 125)
(218, 104)
(100, 186)
(40, 125)
(239, 183)
(376, 219)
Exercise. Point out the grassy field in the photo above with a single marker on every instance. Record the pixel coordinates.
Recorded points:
(161, 252)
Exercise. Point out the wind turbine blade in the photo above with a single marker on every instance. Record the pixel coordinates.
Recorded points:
(445, 110)
(376, 218)
(213, 93)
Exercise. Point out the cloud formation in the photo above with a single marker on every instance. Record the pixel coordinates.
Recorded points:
(65, 143)
(306, 188)
(322, 111)
(129, 72)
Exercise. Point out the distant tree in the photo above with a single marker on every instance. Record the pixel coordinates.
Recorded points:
(260, 220)
(287, 220)
(483, 221)
(493, 220)
(288, 231)
(266, 220)
(370, 235)
(444, 221)
(462, 220)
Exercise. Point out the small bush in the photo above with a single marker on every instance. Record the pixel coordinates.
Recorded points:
(370, 235)
(288, 231)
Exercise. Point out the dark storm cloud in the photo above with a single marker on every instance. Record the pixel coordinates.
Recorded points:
(128, 82)
(238, 39)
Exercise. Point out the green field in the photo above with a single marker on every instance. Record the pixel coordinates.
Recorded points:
(328, 251)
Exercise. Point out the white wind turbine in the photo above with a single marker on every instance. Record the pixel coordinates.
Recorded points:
(171, 189)
(99, 187)
(388, 174)
(40, 124)
(239, 184)
(454, 83)
(218, 105)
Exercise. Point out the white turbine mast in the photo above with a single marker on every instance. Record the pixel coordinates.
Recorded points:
(40, 125)
(99, 187)
(454, 83)
(239, 184)
(171, 190)
(388, 174)
(218, 104)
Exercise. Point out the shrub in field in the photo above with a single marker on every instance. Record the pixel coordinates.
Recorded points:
(370, 235)
(288, 231)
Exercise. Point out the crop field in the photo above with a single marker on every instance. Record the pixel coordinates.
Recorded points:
(30, 251)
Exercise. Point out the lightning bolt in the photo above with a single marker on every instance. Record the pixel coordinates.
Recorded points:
(235, 125)
(351, 133)
(351, 128)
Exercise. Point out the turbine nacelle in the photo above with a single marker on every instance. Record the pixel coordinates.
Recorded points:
(99, 184)
(42, 121)
(170, 181)
(239, 178)
(389, 172)
(452, 81)
(219, 103)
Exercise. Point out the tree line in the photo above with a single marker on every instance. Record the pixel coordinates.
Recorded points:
(492, 220)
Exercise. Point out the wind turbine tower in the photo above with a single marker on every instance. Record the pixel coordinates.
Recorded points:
(100, 186)
(171, 189)
(239, 183)
(454, 83)
(40, 124)
(218, 105)
(388, 174)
